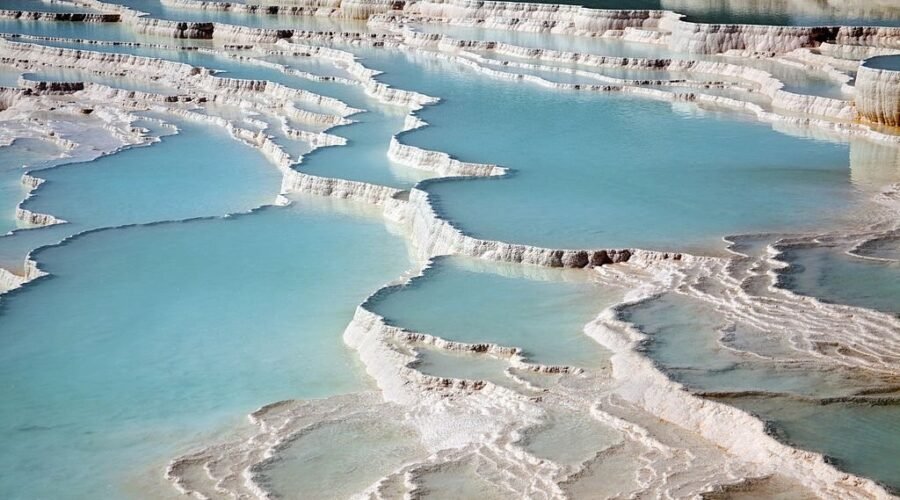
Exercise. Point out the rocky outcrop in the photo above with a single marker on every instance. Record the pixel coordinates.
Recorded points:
(438, 162)
(549, 15)
(75, 17)
(717, 38)
(36, 219)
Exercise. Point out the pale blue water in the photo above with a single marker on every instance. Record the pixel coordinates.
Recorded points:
(891, 63)
(600, 170)
(831, 275)
(148, 337)
(9, 76)
(863, 438)
(200, 171)
(461, 300)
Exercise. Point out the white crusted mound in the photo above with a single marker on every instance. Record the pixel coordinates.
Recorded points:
(878, 92)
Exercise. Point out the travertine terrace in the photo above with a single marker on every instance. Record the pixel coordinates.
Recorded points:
(670, 441)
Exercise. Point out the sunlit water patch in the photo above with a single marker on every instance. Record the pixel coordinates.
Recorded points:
(337, 459)
(569, 438)
(686, 339)
(159, 334)
(460, 300)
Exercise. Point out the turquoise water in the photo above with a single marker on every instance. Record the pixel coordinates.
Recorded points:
(161, 333)
(466, 301)
(199, 172)
(863, 438)
(614, 170)
(28, 153)
(831, 275)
